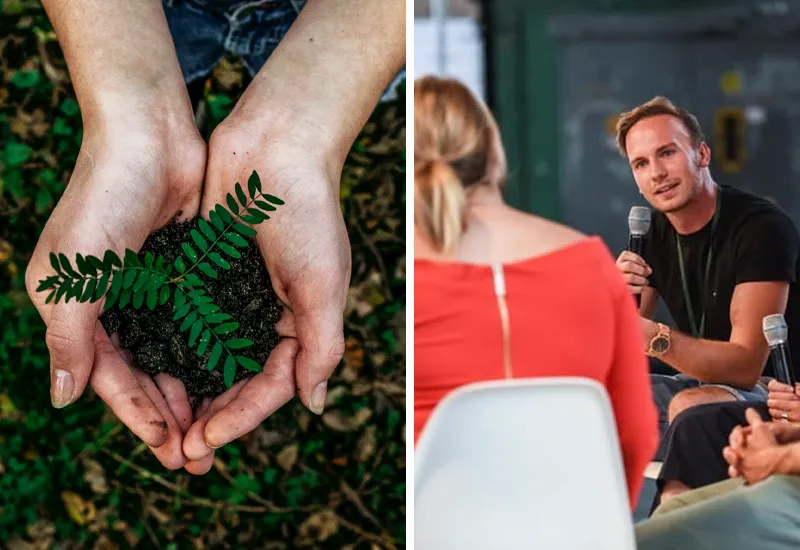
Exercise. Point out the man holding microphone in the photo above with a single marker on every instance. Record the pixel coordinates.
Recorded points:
(721, 259)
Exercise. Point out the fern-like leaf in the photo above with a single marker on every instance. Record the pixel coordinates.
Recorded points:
(219, 260)
(244, 230)
(229, 250)
(254, 184)
(249, 364)
(207, 230)
(240, 195)
(230, 371)
(197, 327)
(207, 270)
(216, 353)
(232, 204)
(203, 345)
(199, 240)
(239, 343)
(273, 200)
(110, 259)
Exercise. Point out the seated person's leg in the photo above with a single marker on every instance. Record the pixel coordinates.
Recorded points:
(694, 442)
(697, 396)
(762, 516)
(665, 387)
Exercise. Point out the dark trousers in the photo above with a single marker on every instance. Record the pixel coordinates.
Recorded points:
(694, 441)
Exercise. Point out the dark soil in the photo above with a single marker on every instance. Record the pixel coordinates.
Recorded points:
(154, 341)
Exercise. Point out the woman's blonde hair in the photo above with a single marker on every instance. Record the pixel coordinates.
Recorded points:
(456, 146)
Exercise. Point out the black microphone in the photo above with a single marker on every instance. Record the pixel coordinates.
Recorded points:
(638, 226)
(776, 332)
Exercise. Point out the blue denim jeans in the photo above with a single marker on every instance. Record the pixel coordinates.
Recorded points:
(205, 31)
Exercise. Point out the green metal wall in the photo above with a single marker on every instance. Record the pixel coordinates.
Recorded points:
(523, 90)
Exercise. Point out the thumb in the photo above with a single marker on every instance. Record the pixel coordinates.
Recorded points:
(70, 340)
(320, 334)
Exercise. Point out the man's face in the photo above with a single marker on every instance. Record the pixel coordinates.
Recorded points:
(666, 167)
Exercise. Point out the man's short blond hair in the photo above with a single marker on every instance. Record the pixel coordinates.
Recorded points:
(659, 105)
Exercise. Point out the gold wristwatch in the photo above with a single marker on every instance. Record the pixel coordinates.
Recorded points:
(660, 343)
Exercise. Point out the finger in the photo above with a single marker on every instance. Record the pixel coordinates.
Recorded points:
(286, 326)
(194, 444)
(202, 466)
(320, 333)
(115, 383)
(777, 415)
(736, 438)
(636, 280)
(731, 456)
(174, 393)
(631, 257)
(733, 472)
(70, 338)
(263, 394)
(776, 386)
(170, 454)
(783, 404)
(634, 268)
(753, 418)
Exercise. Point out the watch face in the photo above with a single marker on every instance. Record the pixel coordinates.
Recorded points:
(660, 345)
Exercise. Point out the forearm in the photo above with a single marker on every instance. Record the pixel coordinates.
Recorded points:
(714, 361)
(121, 57)
(328, 73)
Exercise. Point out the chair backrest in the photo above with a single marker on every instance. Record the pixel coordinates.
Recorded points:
(528, 464)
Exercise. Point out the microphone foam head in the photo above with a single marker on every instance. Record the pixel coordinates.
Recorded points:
(639, 220)
(775, 329)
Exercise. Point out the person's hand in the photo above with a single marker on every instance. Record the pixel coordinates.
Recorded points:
(783, 402)
(635, 271)
(133, 174)
(754, 453)
(307, 253)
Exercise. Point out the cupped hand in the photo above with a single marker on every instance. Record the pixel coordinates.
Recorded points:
(307, 253)
(127, 182)
(783, 402)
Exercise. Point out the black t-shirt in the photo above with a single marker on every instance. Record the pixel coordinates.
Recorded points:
(753, 240)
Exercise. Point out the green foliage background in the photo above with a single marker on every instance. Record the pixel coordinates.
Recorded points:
(76, 478)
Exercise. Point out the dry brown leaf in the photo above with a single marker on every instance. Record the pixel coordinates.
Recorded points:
(79, 510)
(17, 543)
(367, 444)
(228, 75)
(42, 530)
(303, 418)
(337, 420)
(334, 394)
(340, 461)
(5, 251)
(349, 374)
(104, 543)
(288, 457)
(160, 516)
(95, 476)
(31, 455)
(317, 528)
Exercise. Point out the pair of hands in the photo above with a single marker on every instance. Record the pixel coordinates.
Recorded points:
(135, 172)
(761, 449)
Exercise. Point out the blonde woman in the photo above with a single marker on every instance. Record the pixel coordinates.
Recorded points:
(503, 294)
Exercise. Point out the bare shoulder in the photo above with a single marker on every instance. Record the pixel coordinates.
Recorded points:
(546, 235)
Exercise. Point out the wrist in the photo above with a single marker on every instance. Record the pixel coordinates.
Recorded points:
(298, 119)
(786, 461)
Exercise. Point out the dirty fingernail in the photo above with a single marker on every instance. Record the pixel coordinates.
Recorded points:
(62, 386)
(318, 398)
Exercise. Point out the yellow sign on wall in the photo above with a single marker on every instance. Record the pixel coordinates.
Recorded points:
(729, 139)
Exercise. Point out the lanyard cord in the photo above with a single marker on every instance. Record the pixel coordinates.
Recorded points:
(697, 331)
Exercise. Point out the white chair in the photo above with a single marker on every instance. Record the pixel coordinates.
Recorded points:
(529, 464)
